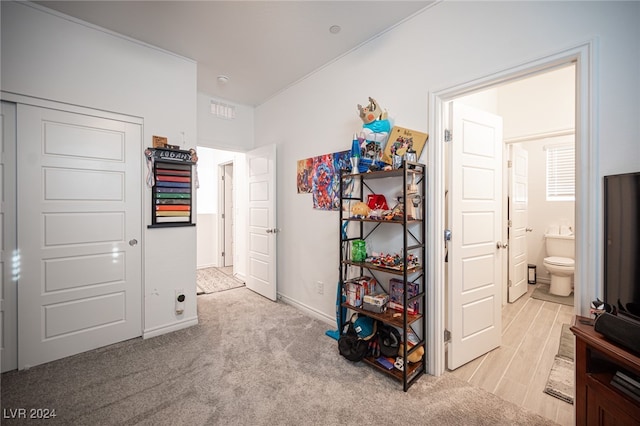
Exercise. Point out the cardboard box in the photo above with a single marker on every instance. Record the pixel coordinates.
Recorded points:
(159, 142)
(396, 298)
(357, 288)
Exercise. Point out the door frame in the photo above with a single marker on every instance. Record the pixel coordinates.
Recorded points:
(588, 189)
(89, 111)
(221, 210)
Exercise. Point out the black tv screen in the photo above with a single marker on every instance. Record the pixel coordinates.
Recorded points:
(622, 243)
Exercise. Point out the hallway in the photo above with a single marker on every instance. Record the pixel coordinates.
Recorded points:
(518, 370)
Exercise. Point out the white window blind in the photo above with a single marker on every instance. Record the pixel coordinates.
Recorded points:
(561, 172)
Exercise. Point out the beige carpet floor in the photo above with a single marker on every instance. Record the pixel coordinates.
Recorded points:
(249, 361)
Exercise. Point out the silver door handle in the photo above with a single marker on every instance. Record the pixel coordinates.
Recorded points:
(133, 242)
(528, 229)
(273, 231)
(500, 245)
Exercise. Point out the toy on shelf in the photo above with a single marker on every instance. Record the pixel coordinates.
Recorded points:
(374, 134)
(360, 210)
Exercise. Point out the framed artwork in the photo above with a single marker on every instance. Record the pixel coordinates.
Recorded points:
(401, 139)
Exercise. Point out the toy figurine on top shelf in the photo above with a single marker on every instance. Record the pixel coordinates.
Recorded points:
(374, 134)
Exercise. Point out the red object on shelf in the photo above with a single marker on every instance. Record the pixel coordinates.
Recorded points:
(377, 201)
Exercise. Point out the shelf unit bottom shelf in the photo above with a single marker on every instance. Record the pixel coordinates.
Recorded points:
(412, 373)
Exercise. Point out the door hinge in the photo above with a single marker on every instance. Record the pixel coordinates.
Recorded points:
(510, 223)
(447, 135)
(509, 164)
(222, 254)
(222, 215)
(510, 283)
(447, 335)
(222, 177)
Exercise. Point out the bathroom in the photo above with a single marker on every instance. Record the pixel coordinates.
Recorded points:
(548, 214)
(538, 115)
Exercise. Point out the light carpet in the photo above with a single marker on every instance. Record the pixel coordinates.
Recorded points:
(212, 280)
(560, 383)
(249, 361)
(542, 293)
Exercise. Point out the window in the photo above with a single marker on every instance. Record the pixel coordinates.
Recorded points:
(561, 172)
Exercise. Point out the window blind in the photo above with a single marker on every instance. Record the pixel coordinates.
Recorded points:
(561, 172)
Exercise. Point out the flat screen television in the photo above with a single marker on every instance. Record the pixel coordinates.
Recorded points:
(622, 244)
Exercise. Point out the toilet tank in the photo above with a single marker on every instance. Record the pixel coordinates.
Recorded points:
(560, 245)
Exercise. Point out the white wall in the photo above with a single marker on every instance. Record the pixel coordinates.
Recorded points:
(400, 68)
(48, 56)
(221, 133)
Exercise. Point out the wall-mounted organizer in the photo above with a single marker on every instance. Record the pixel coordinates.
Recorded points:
(171, 178)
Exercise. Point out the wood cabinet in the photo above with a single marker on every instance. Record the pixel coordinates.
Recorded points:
(403, 233)
(597, 401)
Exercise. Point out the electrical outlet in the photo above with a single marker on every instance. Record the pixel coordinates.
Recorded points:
(180, 298)
(320, 285)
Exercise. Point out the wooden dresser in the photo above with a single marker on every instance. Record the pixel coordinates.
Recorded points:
(597, 401)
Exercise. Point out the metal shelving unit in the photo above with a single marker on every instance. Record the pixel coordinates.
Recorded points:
(413, 242)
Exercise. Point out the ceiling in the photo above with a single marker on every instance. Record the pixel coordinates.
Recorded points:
(261, 46)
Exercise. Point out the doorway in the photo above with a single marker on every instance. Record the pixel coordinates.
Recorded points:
(220, 207)
(586, 177)
(536, 108)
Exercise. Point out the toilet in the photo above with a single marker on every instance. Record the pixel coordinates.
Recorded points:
(560, 262)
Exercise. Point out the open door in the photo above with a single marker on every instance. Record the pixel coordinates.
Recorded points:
(518, 219)
(475, 251)
(261, 264)
(228, 216)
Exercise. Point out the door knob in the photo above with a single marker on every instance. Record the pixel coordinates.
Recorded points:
(500, 245)
(273, 231)
(133, 242)
(528, 229)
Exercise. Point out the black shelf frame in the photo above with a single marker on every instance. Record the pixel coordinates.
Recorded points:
(410, 243)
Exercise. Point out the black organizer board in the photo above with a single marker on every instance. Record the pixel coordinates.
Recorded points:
(172, 194)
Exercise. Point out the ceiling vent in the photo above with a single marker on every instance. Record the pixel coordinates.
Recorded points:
(222, 110)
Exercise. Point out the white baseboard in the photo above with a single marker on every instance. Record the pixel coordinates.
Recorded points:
(210, 265)
(308, 310)
(164, 329)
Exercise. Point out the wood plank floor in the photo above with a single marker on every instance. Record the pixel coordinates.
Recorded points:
(518, 370)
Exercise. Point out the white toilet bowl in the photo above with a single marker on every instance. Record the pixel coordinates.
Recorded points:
(561, 270)
(559, 262)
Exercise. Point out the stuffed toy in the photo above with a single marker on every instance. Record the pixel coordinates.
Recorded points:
(416, 356)
(375, 130)
(360, 209)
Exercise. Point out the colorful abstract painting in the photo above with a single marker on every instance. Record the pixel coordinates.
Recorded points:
(325, 179)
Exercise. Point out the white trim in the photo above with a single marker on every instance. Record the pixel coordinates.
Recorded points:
(314, 313)
(175, 326)
(63, 106)
(588, 190)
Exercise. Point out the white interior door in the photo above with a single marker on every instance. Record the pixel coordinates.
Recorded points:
(475, 215)
(79, 221)
(228, 215)
(261, 169)
(518, 221)
(8, 290)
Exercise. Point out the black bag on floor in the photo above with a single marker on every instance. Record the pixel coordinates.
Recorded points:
(350, 345)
